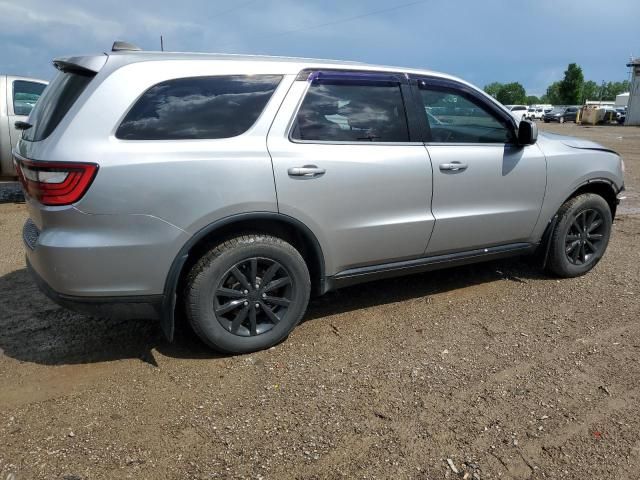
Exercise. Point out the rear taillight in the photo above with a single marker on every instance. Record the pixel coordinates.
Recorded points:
(55, 183)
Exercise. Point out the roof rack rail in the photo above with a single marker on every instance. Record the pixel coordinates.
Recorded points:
(119, 46)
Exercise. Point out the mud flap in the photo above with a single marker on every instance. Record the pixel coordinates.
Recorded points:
(546, 239)
(167, 318)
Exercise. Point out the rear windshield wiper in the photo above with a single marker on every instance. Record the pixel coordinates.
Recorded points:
(20, 125)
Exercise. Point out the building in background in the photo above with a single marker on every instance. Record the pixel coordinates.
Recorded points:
(633, 107)
(622, 100)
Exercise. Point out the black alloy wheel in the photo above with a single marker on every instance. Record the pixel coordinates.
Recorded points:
(253, 296)
(580, 235)
(585, 237)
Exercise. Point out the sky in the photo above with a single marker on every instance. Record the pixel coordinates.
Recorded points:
(528, 41)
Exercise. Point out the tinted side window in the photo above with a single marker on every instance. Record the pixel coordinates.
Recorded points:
(348, 111)
(198, 108)
(25, 96)
(455, 118)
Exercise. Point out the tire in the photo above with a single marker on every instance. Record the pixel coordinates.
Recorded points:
(575, 250)
(221, 298)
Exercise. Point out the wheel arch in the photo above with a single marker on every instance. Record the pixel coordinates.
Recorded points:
(276, 224)
(599, 186)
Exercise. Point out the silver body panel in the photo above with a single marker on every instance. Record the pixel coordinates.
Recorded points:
(375, 204)
(496, 200)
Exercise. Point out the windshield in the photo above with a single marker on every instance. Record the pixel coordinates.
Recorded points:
(557, 110)
(54, 104)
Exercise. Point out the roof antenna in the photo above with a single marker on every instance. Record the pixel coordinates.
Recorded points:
(161, 44)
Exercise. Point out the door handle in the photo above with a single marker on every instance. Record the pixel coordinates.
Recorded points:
(308, 171)
(453, 166)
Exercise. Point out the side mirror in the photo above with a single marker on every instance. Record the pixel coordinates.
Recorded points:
(527, 133)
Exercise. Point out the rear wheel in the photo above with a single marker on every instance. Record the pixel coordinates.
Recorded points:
(581, 235)
(247, 293)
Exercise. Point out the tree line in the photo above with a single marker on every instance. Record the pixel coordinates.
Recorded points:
(571, 90)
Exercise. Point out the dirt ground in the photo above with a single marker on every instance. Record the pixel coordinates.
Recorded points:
(498, 368)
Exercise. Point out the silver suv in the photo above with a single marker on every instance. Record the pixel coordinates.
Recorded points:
(234, 187)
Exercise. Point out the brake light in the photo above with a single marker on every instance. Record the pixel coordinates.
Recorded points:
(55, 183)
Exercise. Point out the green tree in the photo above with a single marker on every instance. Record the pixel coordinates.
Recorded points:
(553, 94)
(571, 85)
(493, 89)
(590, 91)
(512, 93)
(533, 100)
(611, 89)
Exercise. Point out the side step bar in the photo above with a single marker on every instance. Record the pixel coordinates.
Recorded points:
(387, 270)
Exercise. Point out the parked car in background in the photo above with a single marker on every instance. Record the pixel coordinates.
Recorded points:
(518, 111)
(18, 95)
(534, 113)
(561, 115)
(235, 187)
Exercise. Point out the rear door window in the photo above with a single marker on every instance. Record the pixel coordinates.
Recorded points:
(352, 110)
(25, 96)
(198, 108)
(54, 104)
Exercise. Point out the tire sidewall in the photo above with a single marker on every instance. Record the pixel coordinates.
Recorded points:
(202, 294)
(590, 202)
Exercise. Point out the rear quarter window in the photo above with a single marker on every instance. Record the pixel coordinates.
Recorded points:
(198, 108)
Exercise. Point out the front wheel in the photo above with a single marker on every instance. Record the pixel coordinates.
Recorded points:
(247, 293)
(581, 235)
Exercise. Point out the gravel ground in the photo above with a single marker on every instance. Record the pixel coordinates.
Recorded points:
(10, 192)
(494, 370)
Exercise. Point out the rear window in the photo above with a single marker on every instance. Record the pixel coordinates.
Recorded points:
(352, 111)
(54, 104)
(198, 108)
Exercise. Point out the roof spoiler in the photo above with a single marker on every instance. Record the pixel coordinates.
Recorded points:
(83, 65)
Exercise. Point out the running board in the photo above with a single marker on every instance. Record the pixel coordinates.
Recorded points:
(353, 276)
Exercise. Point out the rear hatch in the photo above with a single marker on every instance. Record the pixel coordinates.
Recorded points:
(45, 180)
(74, 75)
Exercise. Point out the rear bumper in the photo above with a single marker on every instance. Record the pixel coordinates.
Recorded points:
(123, 308)
(111, 256)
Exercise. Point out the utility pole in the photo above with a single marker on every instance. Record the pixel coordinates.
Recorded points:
(161, 44)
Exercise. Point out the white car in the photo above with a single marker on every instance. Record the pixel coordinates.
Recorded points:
(518, 111)
(535, 113)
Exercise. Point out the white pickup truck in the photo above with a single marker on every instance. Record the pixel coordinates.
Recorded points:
(18, 95)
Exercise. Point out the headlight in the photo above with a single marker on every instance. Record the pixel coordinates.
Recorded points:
(622, 164)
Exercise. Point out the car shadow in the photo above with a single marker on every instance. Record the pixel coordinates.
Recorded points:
(34, 329)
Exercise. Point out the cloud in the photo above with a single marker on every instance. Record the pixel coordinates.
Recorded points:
(492, 40)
